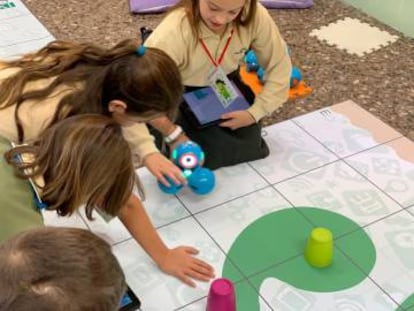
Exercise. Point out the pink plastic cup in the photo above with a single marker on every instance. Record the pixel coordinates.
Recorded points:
(221, 296)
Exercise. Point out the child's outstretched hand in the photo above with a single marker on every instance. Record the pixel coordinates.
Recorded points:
(237, 119)
(181, 263)
(161, 167)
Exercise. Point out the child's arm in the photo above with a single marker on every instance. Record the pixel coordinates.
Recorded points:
(179, 262)
(272, 55)
(161, 167)
(165, 126)
(237, 119)
(144, 149)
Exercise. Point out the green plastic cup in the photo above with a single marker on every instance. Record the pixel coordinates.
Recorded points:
(319, 248)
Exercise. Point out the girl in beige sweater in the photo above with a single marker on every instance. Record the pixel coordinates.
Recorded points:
(128, 83)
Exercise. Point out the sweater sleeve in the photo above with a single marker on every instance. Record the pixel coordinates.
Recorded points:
(272, 55)
(140, 140)
(171, 37)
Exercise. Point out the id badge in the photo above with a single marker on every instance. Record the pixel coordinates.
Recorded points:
(222, 86)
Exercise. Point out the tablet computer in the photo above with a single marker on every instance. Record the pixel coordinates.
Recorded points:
(204, 108)
(129, 301)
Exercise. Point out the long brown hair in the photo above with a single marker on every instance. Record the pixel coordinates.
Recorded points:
(59, 269)
(83, 159)
(192, 8)
(149, 84)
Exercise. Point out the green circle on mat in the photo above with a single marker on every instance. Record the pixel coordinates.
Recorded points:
(273, 245)
(408, 304)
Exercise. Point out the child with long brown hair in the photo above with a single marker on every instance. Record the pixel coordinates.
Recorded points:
(129, 82)
(84, 159)
(208, 39)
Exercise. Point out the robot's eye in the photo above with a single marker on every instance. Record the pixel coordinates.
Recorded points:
(188, 161)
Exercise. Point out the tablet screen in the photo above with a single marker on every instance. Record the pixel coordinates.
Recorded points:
(206, 106)
(129, 301)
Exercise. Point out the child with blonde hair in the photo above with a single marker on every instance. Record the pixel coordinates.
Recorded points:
(208, 39)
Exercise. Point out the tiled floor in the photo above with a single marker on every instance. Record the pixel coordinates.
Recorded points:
(339, 168)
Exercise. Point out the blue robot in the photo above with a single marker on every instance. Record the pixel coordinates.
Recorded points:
(252, 64)
(189, 157)
(251, 61)
(295, 77)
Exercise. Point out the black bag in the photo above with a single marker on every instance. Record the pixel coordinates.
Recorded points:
(223, 146)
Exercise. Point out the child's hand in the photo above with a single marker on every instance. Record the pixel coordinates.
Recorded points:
(161, 167)
(237, 119)
(181, 263)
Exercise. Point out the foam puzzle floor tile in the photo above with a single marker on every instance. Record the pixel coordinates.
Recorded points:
(253, 227)
(353, 36)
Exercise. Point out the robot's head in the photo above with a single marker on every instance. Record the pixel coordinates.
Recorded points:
(188, 155)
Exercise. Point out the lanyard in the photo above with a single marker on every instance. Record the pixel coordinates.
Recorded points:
(217, 63)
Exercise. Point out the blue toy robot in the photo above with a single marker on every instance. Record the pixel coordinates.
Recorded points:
(295, 77)
(189, 157)
(251, 61)
(252, 64)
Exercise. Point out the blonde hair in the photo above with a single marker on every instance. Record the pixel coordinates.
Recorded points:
(192, 8)
(83, 159)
